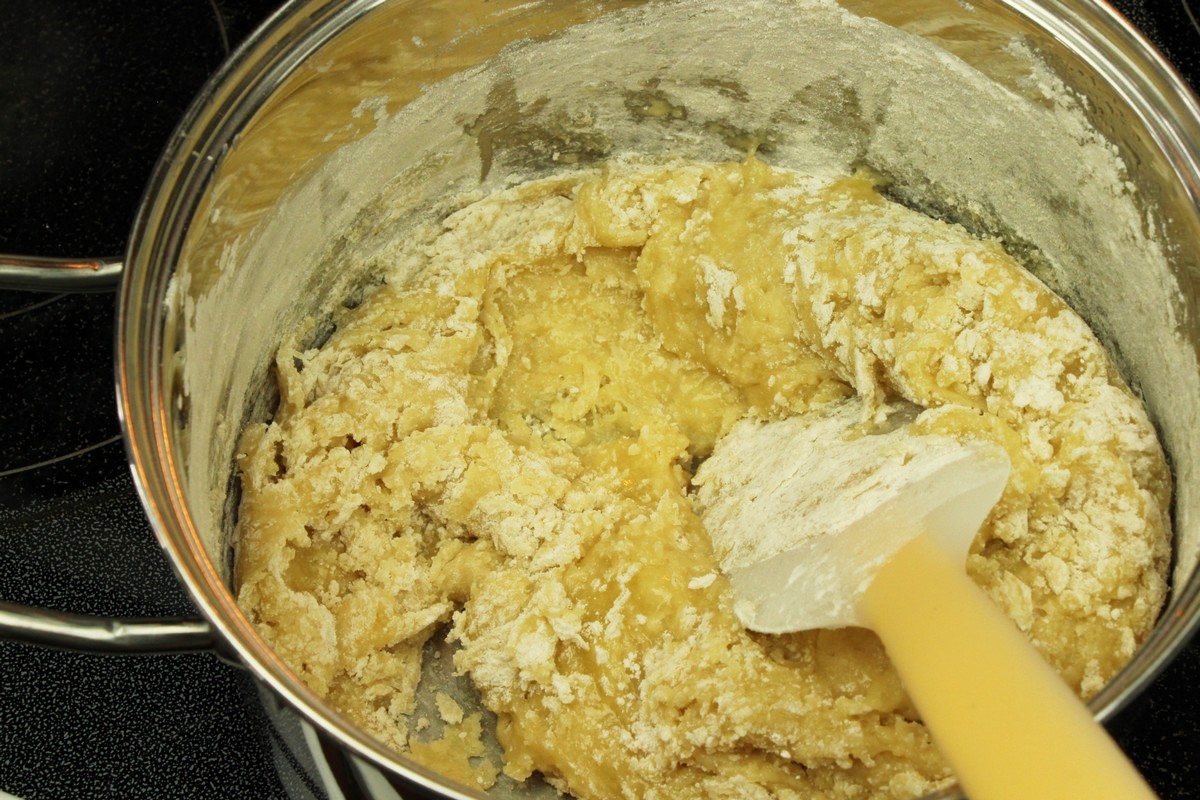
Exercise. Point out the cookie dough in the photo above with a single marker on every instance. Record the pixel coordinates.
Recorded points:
(499, 449)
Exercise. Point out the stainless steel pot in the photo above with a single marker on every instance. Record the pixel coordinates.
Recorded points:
(340, 122)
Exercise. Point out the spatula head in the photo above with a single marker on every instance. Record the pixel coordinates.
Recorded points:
(803, 511)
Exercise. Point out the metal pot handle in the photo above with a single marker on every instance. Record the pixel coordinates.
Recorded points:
(40, 274)
(104, 634)
(78, 631)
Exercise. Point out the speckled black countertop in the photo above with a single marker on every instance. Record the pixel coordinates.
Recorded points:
(73, 160)
(90, 92)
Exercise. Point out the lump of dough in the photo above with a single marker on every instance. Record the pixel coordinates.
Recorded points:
(503, 446)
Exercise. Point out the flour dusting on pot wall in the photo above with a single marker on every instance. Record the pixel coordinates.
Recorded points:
(811, 86)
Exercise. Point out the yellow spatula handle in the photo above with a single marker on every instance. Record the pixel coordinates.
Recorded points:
(1007, 723)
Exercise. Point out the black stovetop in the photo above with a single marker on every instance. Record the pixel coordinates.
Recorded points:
(91, 91)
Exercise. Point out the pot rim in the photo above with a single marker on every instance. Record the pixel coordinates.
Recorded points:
(1170, 112)
(1093, 30)
(226, 103)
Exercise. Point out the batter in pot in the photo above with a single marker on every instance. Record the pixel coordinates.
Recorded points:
(503, 445)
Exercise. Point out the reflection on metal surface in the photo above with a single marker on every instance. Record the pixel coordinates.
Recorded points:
(41, 274)
(102, 634)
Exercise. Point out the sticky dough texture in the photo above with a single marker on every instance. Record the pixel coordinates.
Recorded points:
(504, 443)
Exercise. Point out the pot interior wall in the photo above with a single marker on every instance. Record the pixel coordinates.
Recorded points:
(413, 107)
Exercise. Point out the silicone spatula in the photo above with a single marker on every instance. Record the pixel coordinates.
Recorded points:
(822, 520)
